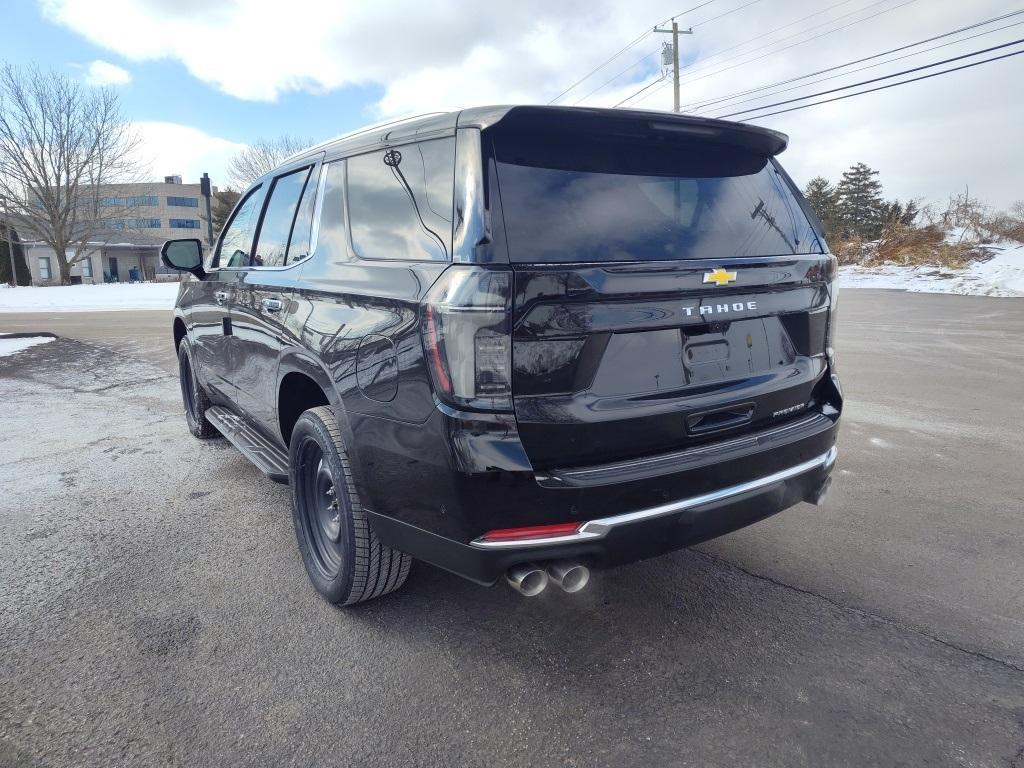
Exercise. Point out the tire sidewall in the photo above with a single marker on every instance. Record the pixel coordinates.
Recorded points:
(310, 427)
(185, 357)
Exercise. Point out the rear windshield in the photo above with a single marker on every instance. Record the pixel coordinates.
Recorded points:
(598, 199)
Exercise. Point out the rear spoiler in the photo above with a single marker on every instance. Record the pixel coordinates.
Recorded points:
(631, 122)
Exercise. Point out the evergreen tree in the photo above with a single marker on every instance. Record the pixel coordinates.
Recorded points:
(20, 265)
(223, 203)
(821, 196)
(861, 209)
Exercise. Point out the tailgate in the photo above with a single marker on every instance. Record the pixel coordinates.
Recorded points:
(619, 361)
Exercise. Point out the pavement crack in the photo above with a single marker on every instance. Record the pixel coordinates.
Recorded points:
(1019, 758)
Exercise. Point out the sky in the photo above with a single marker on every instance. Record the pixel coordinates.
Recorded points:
(202, 79)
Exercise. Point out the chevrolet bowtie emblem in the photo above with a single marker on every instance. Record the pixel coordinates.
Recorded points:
(719, 277)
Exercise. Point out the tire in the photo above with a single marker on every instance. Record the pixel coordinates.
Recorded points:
(194, 399)
(343, 557)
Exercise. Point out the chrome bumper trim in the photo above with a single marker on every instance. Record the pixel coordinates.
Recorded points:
(599, 528)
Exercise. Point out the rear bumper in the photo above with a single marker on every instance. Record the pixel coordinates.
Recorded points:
(627, 536)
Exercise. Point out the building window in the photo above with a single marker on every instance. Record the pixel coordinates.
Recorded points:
(87, 267)
(135, 224)
(143, 200)
(184, 202)
(110, 202)
(184, 224)
(44, 267)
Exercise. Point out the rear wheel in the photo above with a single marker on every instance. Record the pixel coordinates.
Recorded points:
(343, 557)
(195, 400)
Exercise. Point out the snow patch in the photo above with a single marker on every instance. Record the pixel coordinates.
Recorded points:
(10, 346)
(89, 298)
(1002, 275)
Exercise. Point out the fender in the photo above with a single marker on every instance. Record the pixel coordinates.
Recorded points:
(299, 360)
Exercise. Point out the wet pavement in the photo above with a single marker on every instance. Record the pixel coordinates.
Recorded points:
(154, 610)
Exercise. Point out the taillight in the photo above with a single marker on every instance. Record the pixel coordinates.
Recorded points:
(833, 291)
(467, 336)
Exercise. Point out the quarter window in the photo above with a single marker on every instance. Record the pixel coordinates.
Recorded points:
(400, 201)
(286, 195)
(233, 250)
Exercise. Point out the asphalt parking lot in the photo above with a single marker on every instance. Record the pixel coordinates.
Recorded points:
(154, 610)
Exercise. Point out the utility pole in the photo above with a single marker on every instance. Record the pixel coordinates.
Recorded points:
(675, 32)
(204, 188)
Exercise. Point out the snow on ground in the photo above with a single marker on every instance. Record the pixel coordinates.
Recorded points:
(1002, 275)
(86, 298)
(10, 346)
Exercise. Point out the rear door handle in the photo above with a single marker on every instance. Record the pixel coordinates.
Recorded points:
(273, 305)
(221, 296)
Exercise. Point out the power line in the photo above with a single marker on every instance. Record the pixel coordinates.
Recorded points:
(703, 104)
(779, 29)
(801, 42)
(786, 47)
(622, 50)
(703, 107)
(698, 24)
(877, 79)
(889, 85)
(616, 77)
(655, 82)
(601, 65)
(721, 15)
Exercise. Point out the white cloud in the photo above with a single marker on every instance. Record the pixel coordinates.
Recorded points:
(927, 139)
(101, 72)
(171, 149)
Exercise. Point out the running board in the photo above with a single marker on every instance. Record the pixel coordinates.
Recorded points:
(268, 458)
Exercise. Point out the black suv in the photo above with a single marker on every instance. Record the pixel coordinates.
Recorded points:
(519, 341)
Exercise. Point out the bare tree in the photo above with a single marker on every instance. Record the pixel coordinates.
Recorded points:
(262, 157)
(64, 148)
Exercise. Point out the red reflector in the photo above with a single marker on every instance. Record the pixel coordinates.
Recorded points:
(532, 532)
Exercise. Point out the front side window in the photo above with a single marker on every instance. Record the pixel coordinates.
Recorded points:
(279, 219)
(568, 199)
(44, 267)
(400, 201)
(233, 250)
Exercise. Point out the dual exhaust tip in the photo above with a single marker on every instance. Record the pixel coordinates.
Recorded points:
(530, 579)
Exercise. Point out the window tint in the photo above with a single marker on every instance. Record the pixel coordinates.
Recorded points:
(278, 219)
(233, 250)
(298, 246)
(332, 238)
(400, 201)
(608, 199)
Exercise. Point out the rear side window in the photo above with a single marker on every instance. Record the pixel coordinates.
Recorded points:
(567, 199)
(280, 218)
(400, 201)
(236, 241)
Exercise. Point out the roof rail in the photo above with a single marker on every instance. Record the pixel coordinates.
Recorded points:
(366, 129)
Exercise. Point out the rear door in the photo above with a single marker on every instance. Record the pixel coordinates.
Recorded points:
(262, 308)
(669, 292)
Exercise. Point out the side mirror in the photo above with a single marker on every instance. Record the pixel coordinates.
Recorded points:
(185, 255)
